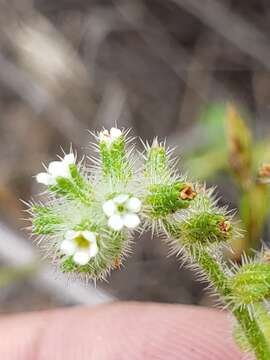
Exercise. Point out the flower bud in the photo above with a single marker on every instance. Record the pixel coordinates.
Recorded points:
(264, 171)
(206, 228)
(157, 163)
(114, 160)
(91, 213)
(167, 199)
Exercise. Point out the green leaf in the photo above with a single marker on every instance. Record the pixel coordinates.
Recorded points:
(77, 189)
(44, 220)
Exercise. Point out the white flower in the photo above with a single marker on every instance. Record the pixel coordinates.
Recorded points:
(122, 211)
(81, 245)
(56, 169)
(110, 136)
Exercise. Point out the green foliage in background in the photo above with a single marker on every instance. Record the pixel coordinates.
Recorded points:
(10, 275)
(230, 149)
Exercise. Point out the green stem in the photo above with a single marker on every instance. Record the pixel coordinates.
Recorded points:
(249, 325)
(156, 166)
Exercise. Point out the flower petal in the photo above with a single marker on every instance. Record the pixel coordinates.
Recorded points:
(131, 220)
(81, 257)
(104, 136)
(134, 204)
(71, 234)
(45, 178)
(69, 159)
(68, 247)
(116, 222)
(109, 208)
(89, 235)
(120, 199)
(58, 168)
(115, 133)
(93, 250)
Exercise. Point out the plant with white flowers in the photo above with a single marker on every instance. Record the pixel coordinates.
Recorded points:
(57, 169)
(93, 212)
(122, 211)
(110, 136)
(81, 245)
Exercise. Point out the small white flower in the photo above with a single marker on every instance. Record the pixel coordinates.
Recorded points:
(122, 211)
(56, 169)
(110, 136)
(81, 245)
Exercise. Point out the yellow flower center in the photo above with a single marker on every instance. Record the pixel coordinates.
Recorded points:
(82, 242)
(121, 208)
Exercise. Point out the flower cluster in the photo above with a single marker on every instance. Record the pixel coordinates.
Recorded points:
(87, 226)
(93, 212)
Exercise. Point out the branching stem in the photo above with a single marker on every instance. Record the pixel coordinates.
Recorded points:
(249, 324)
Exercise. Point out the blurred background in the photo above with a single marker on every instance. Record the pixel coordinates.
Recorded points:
(195, 72)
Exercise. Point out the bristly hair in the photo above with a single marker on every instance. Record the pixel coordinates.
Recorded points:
(92, 212)
(65, 209)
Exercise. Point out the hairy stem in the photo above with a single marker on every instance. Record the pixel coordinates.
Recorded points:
(249, 325)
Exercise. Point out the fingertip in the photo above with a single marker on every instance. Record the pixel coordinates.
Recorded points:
(121, 331)
(146, 331)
